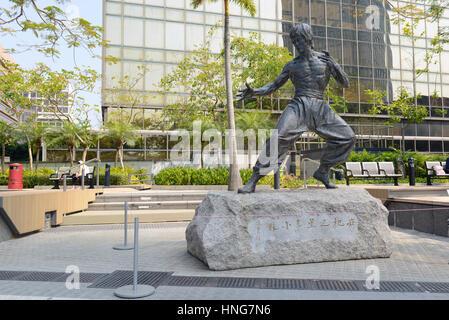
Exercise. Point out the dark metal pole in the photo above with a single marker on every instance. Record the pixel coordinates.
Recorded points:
(411, 168)
(83, 172)
(292, 169)
(277, 174)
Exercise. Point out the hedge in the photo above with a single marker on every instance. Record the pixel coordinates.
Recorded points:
(205, 176)
(31, 179)
(219, 176)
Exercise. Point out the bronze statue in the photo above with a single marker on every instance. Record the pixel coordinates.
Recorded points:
(309, 72)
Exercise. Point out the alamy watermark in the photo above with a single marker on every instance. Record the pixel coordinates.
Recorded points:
(207, 148)
(373, 280)
(73, 280)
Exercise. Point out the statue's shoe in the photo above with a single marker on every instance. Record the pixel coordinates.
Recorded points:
(324, 178)
(248, 188)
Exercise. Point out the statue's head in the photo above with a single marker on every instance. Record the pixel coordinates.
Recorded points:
(302, 37)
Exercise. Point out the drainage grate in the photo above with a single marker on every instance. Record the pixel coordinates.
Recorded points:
(84, 277)
(187, 281)
(47, 276)
(124, 277)
(336, 285)
(11, 275)
(238, 282)
(398, 286)
(41, 276)
(434, 287)
(121, 278)
(287, 284)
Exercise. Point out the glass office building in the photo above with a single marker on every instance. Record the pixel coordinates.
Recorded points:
(359, 34)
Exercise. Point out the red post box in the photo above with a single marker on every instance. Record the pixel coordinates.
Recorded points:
(15, 176)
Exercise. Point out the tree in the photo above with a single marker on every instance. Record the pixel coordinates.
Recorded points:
(57, 90)
(35, 133)
(235, 181)
(51, 24)
(402, 110)
(201, 74)
(409, 16)
(253, 120)
(121, 131)
(6, 138)
(65, 135)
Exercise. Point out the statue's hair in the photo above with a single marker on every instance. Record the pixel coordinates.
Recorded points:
(304, 30)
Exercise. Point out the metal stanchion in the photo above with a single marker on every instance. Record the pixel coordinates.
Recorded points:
(305, 174)
(83, 172)
(125, 245)
(135, 290)
(277, 174)
(64, 178)
(98, 173)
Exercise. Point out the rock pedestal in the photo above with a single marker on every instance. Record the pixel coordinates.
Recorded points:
(231, 230)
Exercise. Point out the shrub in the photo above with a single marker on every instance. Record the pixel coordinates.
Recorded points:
(203, 176)
(31, 179)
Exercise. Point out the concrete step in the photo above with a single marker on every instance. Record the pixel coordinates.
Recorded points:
(152, 196)
(117, 217)
(144, 205)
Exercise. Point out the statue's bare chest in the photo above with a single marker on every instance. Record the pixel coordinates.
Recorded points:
(313, 71)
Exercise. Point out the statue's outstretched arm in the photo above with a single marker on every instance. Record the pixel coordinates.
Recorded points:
(249, 92)
(336, 70)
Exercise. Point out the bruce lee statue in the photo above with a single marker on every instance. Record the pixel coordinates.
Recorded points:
(309, 72)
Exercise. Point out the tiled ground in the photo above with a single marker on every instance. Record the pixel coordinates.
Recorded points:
(417, 257)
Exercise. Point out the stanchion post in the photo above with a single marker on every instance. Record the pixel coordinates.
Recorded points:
(83, 172)
(64, 179)
(277, 178)
(125, 245)
(98, 173)
(135, 290)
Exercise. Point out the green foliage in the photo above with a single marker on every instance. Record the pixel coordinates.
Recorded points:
(403, 110)
(51, 24)
(202, 75)
(31, 179)
(247, 5)
(204, 176)
(120, 130)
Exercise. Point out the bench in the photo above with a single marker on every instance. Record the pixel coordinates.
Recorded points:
(59, 175)
(371, 170)
(69, 172)
(431, 172)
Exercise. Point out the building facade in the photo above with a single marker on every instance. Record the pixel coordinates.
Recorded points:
(40, 111)
(360, 34)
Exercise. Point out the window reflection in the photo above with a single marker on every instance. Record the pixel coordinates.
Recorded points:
(301, 11)
(318, 12)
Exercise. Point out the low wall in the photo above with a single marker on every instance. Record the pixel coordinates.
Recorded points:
(425, 217)
(5, 233)
(25, 211)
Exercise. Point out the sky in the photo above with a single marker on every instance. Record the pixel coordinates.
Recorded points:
(91, 10)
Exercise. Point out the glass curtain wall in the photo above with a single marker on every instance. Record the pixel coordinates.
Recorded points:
(359, 34)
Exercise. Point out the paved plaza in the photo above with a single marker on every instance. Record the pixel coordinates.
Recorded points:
(417, 257)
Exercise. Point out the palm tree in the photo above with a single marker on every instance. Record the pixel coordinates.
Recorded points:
(235, 181)
(65, 134)
(6, 138)
(121, 133)
(253, 120)
(39, 133)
